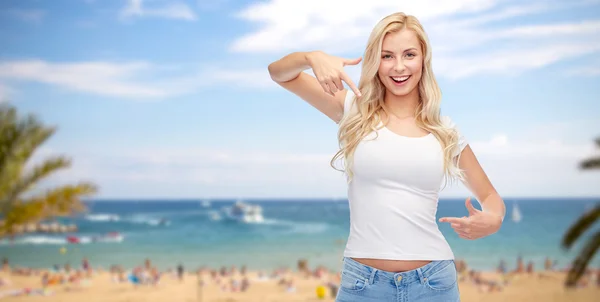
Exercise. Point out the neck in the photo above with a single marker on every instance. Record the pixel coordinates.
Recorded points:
(402, 106)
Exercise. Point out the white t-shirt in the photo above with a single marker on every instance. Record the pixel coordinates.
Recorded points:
(394, 194)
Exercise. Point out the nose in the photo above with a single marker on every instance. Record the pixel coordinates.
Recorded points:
(399, 66)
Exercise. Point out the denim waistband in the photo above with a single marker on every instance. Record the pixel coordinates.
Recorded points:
(415, 275)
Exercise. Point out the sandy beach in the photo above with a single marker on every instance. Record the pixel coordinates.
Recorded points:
(285, 284)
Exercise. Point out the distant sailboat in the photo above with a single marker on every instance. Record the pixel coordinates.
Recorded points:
(516, 213)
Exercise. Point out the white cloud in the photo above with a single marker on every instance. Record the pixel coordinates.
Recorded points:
(516, 167)
(178, 10)
(250, 78)
(338, 24)
(111, 79)
(578, 28)
(457, 30)
(500, 145)
(580, 130)
(135, 80)
(287, 26)
(506, 13)
(27, 15)
(511, 61)
(539, 169)
(203, 171)
(533, 166)
(211, 5)
(589, 71)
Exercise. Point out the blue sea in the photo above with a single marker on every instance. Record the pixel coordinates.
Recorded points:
(170, 232)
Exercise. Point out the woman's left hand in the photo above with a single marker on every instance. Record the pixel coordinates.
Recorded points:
(478, 225)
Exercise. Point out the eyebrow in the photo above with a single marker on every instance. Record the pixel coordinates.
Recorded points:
(388, 51)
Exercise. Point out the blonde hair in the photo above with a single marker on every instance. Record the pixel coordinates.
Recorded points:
(357, 124)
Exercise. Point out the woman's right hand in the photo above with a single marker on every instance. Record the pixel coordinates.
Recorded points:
(329, 71)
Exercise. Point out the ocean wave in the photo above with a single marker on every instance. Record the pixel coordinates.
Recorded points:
(139, 219)
(102, 217)
(36, 240)
(149, 220)
(308, 228)
(296, 227)
(53, 240)
(215, 215)
(272, 222)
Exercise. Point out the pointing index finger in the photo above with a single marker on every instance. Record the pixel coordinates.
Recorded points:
(457, 220)
(348, 81)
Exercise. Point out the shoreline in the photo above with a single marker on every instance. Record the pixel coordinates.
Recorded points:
(253, 260)
(301, 283)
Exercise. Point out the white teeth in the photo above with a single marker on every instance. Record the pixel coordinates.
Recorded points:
(400, 79)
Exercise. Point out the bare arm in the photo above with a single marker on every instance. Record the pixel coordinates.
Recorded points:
(327, 94)
(479, 223)
(289, 67)
(478, 182)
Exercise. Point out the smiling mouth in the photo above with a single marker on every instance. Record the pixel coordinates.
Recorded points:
(400, 79)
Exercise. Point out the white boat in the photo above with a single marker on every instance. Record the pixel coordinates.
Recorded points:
(215, 216)
(244, 212)
(516, 213)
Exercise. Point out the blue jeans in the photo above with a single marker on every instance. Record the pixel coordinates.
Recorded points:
(435, 281)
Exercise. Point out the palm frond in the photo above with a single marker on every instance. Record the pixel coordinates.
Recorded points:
(31, 136)
(20, 137)
(37, 173)
(8, 119)
(22, 213)
(580, 226)
(66, 200)
(62, 201)
(592, 163)
(582, 260)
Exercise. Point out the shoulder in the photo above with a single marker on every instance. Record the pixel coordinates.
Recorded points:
(349, 103)
(447, 121)
(348, 100)
(462, 141)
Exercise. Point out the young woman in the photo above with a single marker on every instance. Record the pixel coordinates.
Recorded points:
(398, 151)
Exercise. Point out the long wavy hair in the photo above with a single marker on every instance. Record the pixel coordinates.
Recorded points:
(359, 123)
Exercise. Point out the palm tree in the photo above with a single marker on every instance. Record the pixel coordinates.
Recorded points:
(586, 221)
(20, 201)
(592, 163)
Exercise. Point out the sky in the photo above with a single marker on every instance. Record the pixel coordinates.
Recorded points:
(170, 99)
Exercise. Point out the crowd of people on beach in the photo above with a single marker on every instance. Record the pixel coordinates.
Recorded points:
(591, 276)
(232, 280)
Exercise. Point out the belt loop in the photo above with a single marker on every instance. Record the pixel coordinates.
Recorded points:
(372, 276)
(420, 274)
